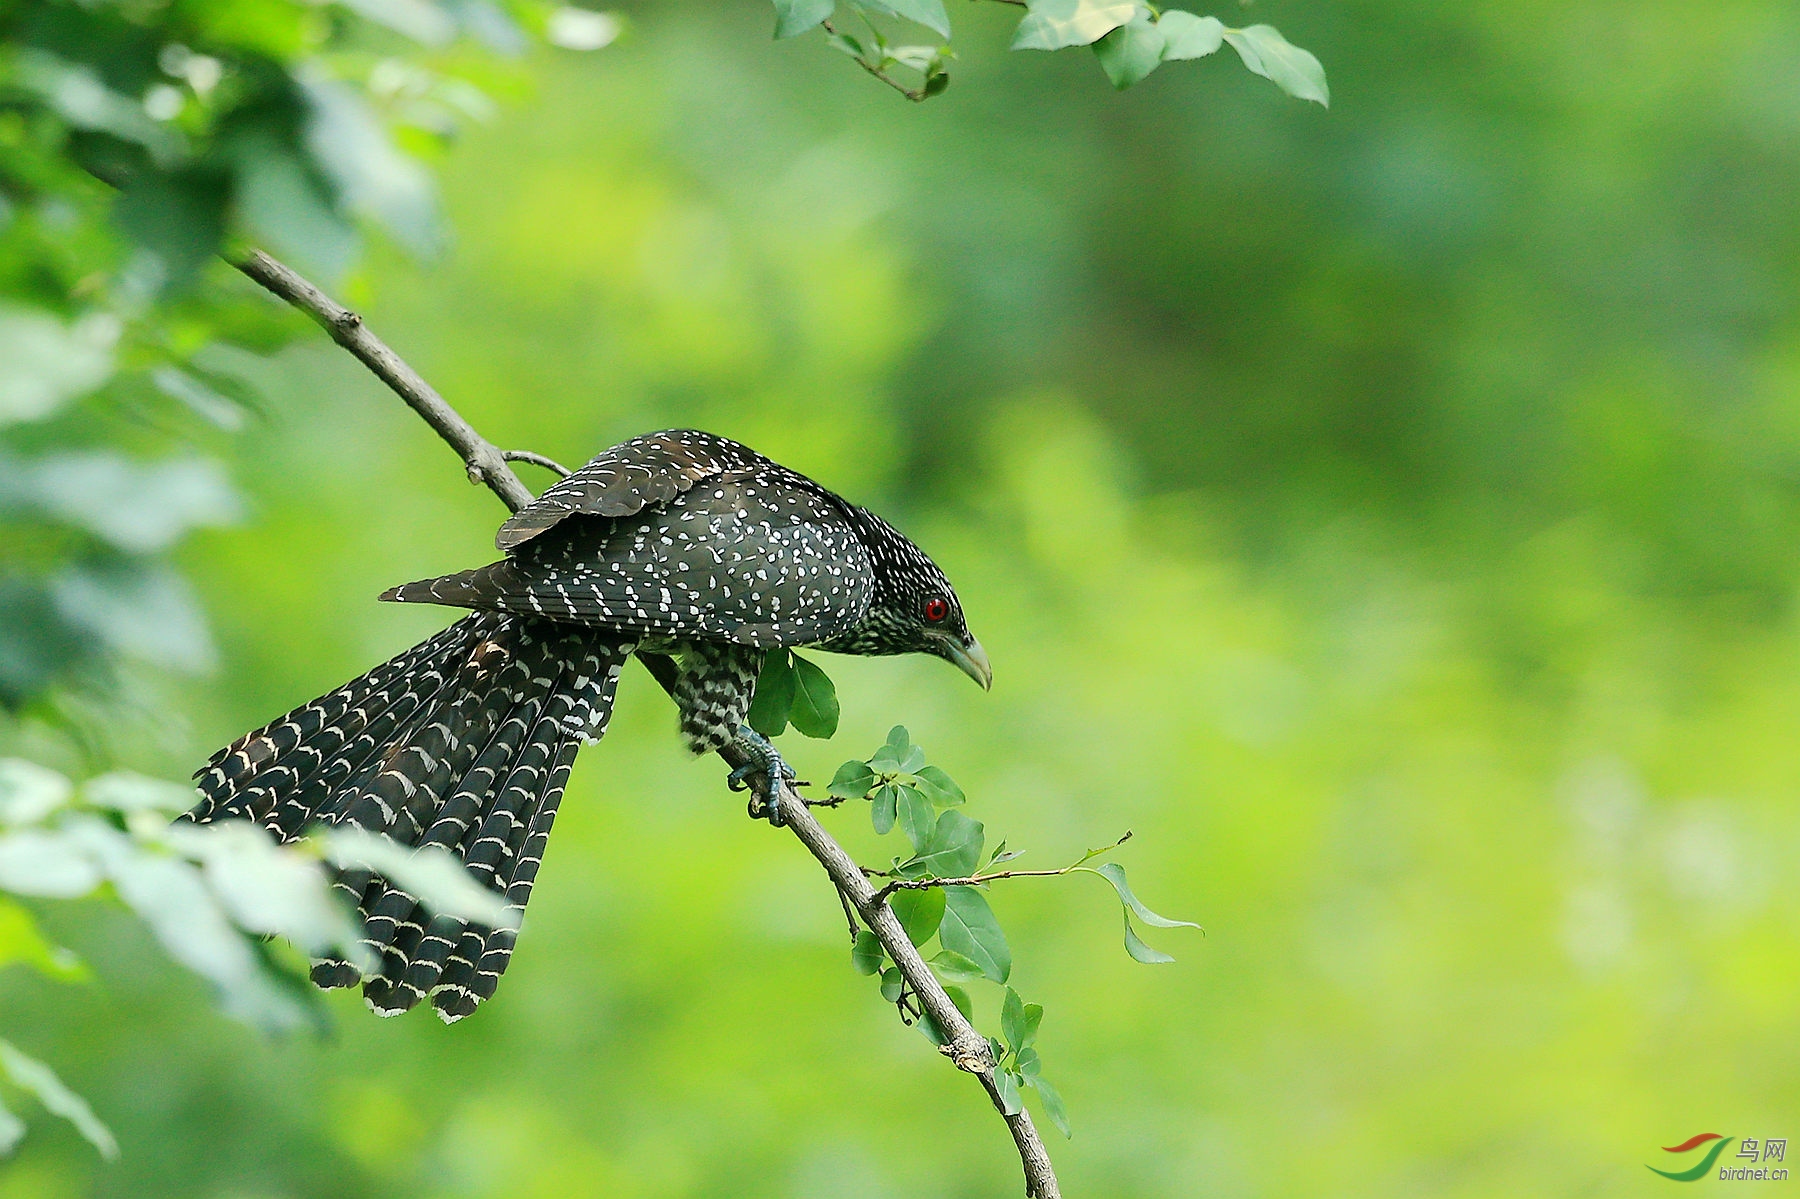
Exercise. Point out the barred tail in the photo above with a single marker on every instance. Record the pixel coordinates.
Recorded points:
(464, 741)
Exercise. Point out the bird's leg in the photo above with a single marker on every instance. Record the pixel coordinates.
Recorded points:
(764, 774)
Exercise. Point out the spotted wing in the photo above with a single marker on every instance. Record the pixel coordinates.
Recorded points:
(645, 472)
(746, 556)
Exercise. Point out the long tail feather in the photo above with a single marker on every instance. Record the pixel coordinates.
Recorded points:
(464, 741)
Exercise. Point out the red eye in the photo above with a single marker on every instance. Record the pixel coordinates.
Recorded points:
(936, 610)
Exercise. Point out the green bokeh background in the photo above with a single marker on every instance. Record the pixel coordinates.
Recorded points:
(1389, 514)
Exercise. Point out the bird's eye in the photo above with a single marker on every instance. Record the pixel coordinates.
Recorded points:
(936, 609)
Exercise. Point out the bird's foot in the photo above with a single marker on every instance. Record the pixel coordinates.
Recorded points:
(764, 775)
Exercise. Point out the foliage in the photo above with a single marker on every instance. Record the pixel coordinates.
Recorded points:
(212, 894)
(1130, 38)
(937, 891)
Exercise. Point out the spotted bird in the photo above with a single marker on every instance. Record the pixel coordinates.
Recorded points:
(681, 543)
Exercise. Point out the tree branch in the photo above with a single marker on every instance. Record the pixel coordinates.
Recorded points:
(486, 464)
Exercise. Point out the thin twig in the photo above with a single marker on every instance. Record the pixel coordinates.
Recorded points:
(916, 95)
(964, 1046)
(536, 460)
(977, 880)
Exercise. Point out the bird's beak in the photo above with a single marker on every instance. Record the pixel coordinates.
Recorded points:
(972, 660)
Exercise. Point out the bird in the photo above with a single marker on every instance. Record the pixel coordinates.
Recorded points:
(681, 543)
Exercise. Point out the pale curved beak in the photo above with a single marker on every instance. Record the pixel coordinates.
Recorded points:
(972, 660)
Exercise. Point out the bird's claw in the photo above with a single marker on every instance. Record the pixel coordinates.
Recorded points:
(763, 775)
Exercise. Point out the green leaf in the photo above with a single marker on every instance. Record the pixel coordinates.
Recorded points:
(181, 217)
(1188, 36)
(954, 847)
(893, 983)
(1030, 1064)
(882, 808)
(793, 17)
(961, 999)
(1272, 56)
(29, 792)
(969, 928)
(34, 1076)
(1011, 1102)
(1053, 1104)
(21, 941)
(920, 912)
(950, 964)
(1140, 951)
(44, 863)
(1053, 24)
(773, 701)
(917, 819)
(1114, 873)
(866, 953)
(939, 787)
(895, 750)
(1019, 1020)
(815, 710)
(852, 781)
(440, 882)
(12, 1130)
(929, 13)
(1130, 52)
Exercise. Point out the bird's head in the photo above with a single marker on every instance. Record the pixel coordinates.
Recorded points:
(915, 609)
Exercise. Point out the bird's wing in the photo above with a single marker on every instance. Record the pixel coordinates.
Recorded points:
(747, 556)
(645, 472)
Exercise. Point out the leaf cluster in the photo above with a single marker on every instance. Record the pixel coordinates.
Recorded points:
(1130, 38)
(938, 891)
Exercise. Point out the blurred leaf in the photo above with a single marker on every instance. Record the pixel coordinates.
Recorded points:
(180, 217)
(581, 29)
(34, 1076)
(45, 863)
(938, 787)
(852, 781)
(1053, 1104)
(49, 363)
(815, 710)
(773, 699)
(1272, 56)
(12, 1131)
(1131, 51)
(793, 17)
(954, 847)
(22, 941)
(883, 808)
(139, 507)
(866, 954)
(267, 888)
(429, 873)
(969, 928)
(1114, 873)
(147, 612)
(929, 13)
(1140, 951)
(1008, 1085)
(29, 792)
(1054, 24)
(202, 399)
(1188, 36)
(288, 210)
(920, 912)
(419, 20)
(917, 820)
(123, 791)
(950, 964)
(347, 140)
(893, 984)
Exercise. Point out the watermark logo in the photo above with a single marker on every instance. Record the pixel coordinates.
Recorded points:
(1756, 1150)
